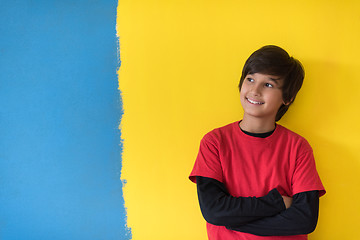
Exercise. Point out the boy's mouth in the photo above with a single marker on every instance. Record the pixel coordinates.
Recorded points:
(253, 101)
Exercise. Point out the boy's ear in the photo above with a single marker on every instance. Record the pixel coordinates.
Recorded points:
(288, 103)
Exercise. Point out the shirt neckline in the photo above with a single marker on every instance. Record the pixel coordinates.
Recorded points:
(255, 138)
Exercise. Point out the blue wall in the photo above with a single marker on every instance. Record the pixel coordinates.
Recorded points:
(60, 148)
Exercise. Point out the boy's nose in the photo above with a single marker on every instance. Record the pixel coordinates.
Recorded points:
(256, 89)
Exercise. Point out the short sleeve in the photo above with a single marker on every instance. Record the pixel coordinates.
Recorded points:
(207, 162)
(306, 177)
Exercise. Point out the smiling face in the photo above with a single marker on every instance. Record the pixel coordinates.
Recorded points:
(261, 96)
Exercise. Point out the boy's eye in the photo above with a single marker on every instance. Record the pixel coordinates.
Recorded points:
(268, 85)
(250, 79)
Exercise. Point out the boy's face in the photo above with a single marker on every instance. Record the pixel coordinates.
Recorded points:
(261, 95)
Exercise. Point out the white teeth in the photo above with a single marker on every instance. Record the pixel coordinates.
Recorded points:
(254, 102)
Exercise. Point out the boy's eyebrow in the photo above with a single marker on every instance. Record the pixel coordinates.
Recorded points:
(275, 79)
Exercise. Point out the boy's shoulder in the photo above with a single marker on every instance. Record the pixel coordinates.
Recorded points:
(234, 127)
(290, 133)
(281, 134)
(218, 133)
(290, 136)
(226, 129)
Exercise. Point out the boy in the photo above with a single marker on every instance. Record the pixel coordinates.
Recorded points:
(255, 178)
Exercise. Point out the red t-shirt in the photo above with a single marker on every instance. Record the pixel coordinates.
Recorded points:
(251, 167)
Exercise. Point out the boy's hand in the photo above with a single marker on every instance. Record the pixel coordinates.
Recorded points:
(287, 201)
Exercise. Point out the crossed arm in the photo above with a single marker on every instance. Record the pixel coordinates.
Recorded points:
(270, 215)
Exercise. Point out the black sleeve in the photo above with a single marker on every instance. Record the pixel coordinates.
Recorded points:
(300, 218)
(220, 208)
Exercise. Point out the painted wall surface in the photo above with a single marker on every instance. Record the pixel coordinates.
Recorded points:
(181, 63)
(60, 148)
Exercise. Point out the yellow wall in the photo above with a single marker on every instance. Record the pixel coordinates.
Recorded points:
(181, 62)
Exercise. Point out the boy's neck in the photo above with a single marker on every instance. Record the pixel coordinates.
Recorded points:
(257, 125)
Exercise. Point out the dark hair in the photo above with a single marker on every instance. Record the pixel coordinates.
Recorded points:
(274, 60)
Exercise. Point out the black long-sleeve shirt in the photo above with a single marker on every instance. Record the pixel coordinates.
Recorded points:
(263, 216)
